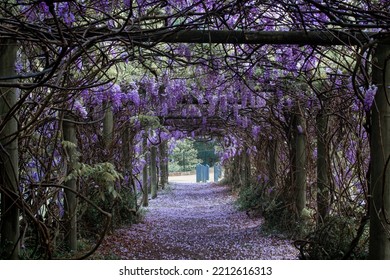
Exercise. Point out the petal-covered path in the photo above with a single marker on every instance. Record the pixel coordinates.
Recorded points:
(196, 221)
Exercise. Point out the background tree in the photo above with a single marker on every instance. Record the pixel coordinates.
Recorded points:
(184, 157)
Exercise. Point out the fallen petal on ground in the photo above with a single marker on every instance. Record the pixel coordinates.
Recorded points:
(196, 221)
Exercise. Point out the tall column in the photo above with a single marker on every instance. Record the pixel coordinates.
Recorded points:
(126, 155)
(380, 158)
(9, 158)
(273, 161)
(145, 189)
(164, 164)
(108, 124)
(70, 205)
(322, 166)
(300, 165)
(153, 172)
(245, 168)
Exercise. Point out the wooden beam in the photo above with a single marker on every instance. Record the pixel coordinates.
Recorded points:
(323, 38)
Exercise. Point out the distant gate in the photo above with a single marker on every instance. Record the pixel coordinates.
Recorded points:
(203, 173)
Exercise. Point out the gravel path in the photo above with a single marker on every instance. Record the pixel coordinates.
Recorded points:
(196, 221)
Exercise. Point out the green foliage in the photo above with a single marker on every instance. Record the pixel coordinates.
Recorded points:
(175, 167)
(151, 122)
(123, 209)
(101, 184)
(279, 217)
(338, 237)
(103, 175)
(333, 239)
(206, 151)
(69, 145)
(257, 200)
(250, 199)
(71, 151)
(184, 155)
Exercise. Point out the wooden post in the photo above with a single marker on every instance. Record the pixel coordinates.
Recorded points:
(322, 166)
(145, 196)
(69, 134)
(380, 158)
(273, 161)
(164, 164)
(234, 174)
(108, 124)
(9, 157)
(126, 156)
(245, 168)
(300, 165)
(153, 171)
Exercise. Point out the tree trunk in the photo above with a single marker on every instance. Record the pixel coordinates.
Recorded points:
(145, 198)
(153, 171)
(380, 158)
(164, 164)
(9, 160)
(300, 165)
(322, 166)
(69, 131)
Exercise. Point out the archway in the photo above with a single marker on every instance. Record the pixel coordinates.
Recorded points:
(71, 53)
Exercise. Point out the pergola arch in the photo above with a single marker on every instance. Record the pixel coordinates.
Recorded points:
(59, 46)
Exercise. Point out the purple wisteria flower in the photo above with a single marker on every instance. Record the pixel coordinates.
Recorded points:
(299, 129)
(64, 11)
(18, 67)
(369, 96)
(80, 109)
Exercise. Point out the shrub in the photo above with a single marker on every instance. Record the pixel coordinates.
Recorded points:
(336, 238)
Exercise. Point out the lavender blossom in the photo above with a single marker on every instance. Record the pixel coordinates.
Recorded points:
(369, 96)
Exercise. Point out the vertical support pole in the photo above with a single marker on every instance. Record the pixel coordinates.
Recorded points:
(9, 157)
(69, 134)
(126, 156)
(380, 158)
(245, 168)
(273, 162)
(233, 176)
(300, 165)
(198, 173)
(322, 166)
(217, 172)
(108, 136)
(108, 124)
(145, 198)
(202, 173)
(206, 173)
(164, 164)
(153, 172)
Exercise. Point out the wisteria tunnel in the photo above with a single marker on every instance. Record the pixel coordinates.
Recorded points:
(100, 100)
